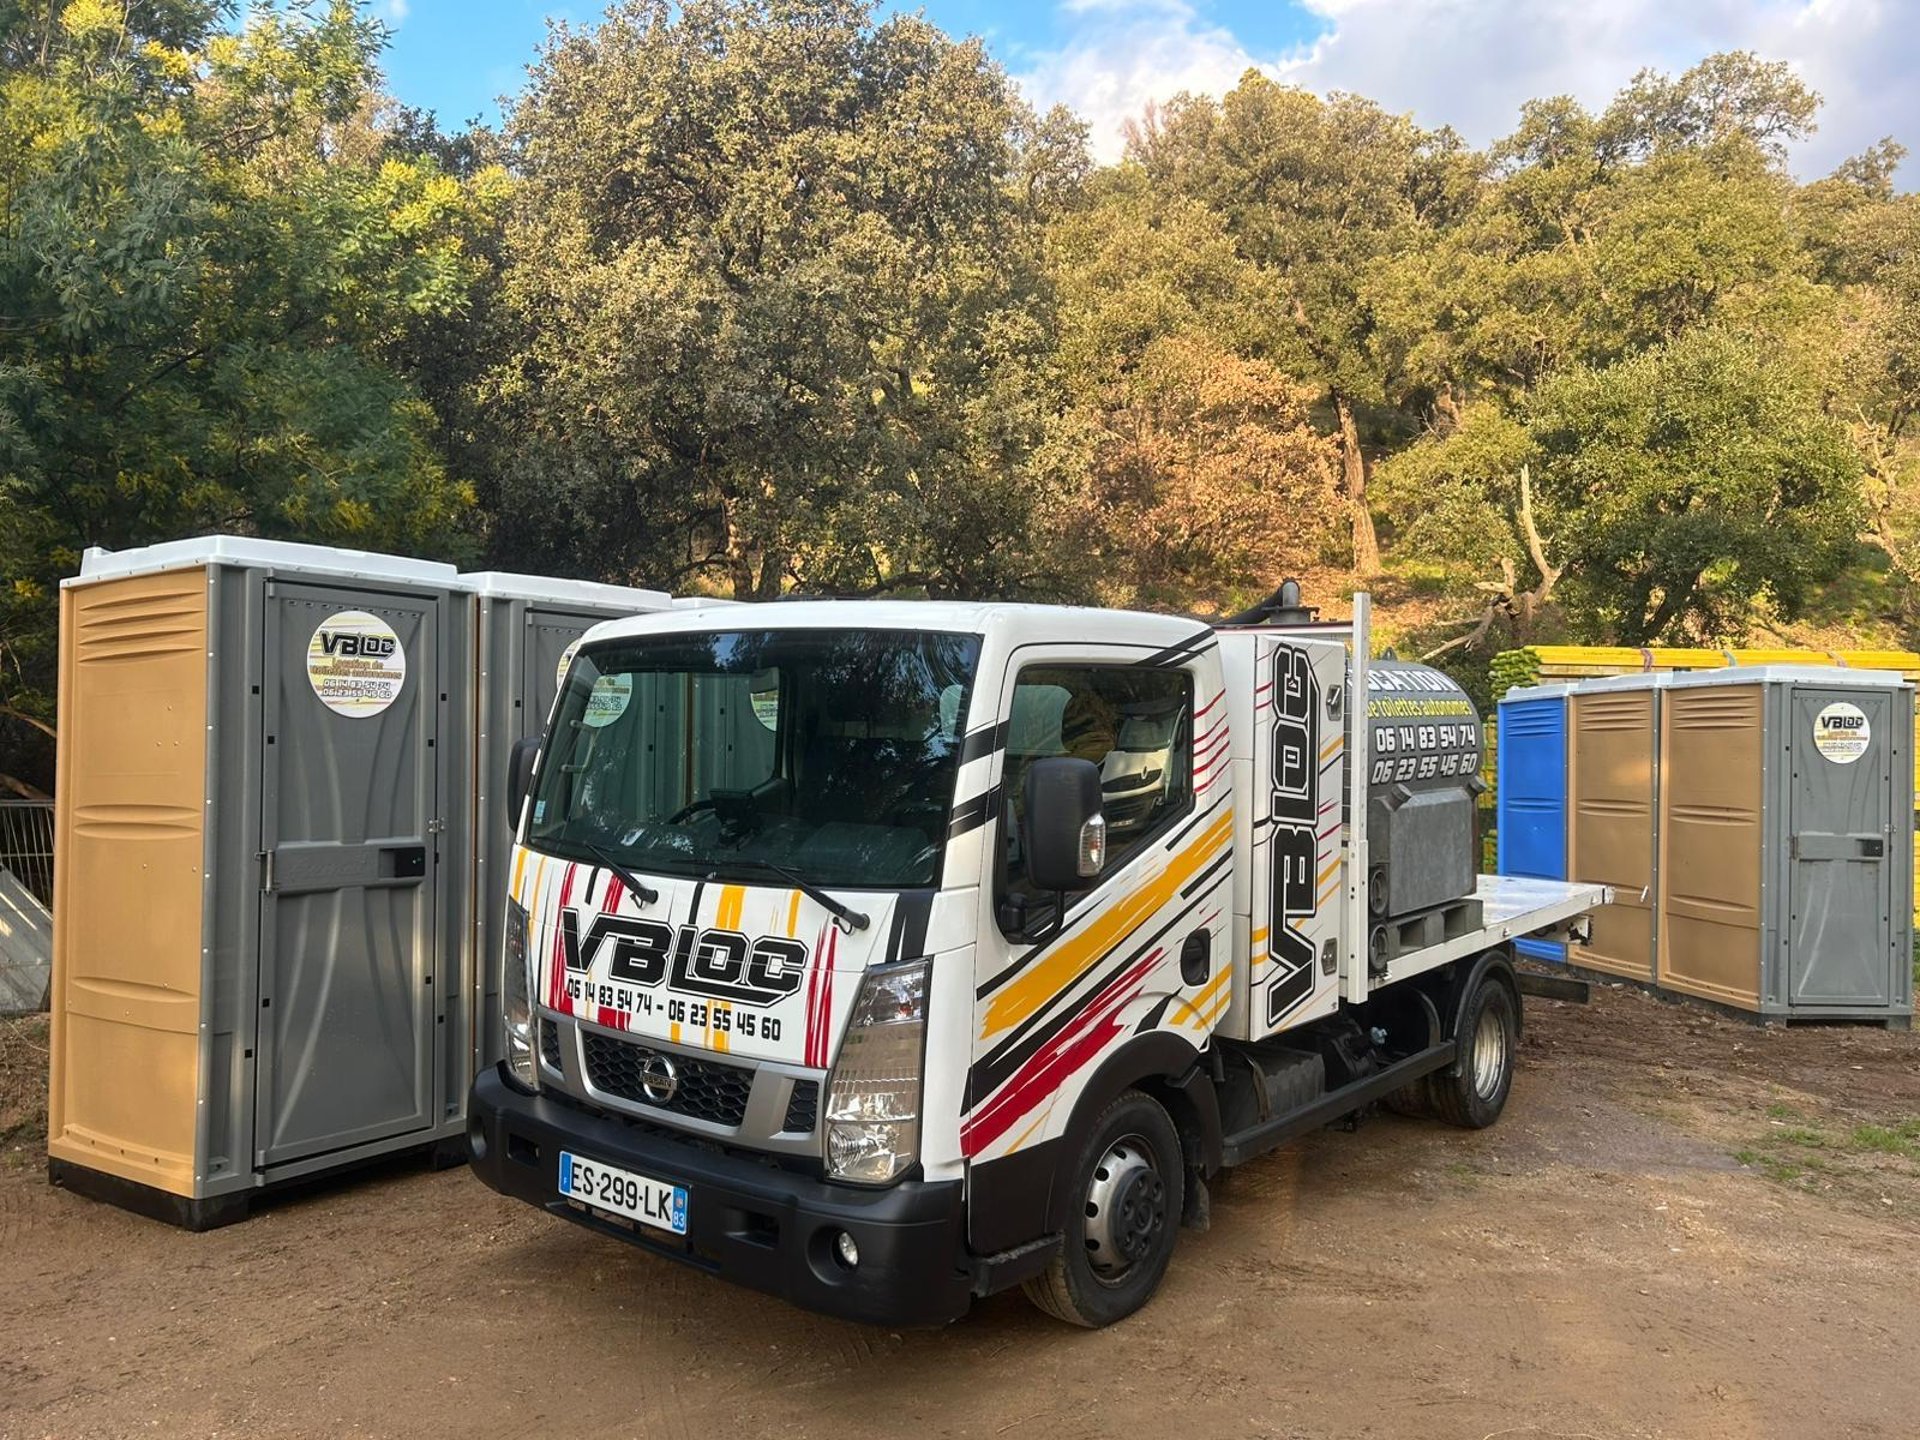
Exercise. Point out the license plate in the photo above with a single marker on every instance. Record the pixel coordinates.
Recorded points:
(622, 1192)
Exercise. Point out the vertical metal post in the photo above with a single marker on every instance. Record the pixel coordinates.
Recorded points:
(1353, 959)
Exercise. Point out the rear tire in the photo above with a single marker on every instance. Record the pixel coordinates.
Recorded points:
(1489, 1037)
(1130, 1182)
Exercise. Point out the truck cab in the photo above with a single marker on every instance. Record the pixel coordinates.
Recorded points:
(881, 955)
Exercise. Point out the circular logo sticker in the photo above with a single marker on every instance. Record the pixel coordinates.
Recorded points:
(356, 664)
(1841, 732)
(566, 659)
(607, 701)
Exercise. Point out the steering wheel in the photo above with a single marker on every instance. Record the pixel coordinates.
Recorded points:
(687, 812)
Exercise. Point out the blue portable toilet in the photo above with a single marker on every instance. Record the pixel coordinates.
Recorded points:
(1530, 798)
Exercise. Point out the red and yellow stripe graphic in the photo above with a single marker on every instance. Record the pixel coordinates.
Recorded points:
(1078, 953)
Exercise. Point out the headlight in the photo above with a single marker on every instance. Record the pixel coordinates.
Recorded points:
(516, 991)
(873, 1099)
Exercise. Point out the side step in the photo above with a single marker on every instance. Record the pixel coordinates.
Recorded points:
(1244, 1145)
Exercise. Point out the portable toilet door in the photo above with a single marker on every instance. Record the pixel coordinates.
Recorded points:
(1530, 798)
(526, 629)
(1846, 937)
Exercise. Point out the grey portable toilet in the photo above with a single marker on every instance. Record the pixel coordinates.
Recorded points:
(260, 870)
(525, 628)
(1786, 841)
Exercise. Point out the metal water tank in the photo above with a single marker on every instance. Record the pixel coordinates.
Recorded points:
(1424, 772)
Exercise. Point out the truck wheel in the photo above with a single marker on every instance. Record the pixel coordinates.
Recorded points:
(1131, 1180)
(1474, 1098)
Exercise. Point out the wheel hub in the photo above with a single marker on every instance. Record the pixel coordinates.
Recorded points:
(1489, 1054)
(1126, 1209)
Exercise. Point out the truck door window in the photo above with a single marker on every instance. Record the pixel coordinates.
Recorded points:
(1135, 724)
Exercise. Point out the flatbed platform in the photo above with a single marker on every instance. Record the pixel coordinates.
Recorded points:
(1512, 907)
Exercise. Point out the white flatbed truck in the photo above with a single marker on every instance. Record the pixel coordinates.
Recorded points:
(882, 955)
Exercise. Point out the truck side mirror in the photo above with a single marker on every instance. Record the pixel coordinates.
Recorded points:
(520, 776)
(1066, 831)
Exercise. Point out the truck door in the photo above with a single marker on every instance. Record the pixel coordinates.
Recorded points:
(347, 1032)
(1145, 948)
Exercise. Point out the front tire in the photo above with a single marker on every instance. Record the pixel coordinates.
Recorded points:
(1130, 1179)
(1489, 1036)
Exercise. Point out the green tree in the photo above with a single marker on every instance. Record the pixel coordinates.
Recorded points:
(1205, 481)
(1670, 495)
(202, 255)
(1595, 237)
(775, 303)
(1660, 236)
(1867, 239)
(1315, 192)
(1688, 484)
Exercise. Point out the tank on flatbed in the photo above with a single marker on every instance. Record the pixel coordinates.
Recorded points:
(1424, 772)
(1423, 838)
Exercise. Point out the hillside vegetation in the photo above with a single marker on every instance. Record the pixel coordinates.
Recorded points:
(772, 294)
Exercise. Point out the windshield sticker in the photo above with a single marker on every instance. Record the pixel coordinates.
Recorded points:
(608, 700)
(1841, 732)
(356, 664)
(566, 659)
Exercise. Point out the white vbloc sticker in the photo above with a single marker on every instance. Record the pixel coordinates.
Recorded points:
(1841, 732)
(356, 664)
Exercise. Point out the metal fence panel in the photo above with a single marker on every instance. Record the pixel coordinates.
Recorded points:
(26, 845)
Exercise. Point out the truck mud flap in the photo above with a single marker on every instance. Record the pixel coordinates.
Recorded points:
(1553, 987)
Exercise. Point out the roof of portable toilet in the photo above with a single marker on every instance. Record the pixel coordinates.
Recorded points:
(1557, 690)
(507, 585)
(1831, 676)
(244, 550)
(1643, 680)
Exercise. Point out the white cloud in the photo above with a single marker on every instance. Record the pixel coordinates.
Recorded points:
(395, 11)
(1126, 53)
(1470, 63)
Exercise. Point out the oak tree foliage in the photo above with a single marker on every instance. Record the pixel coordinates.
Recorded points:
(755, 296)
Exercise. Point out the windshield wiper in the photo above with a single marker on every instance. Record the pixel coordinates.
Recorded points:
(845, 914)
(626, 877)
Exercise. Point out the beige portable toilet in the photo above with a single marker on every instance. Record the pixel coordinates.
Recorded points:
(260, 873)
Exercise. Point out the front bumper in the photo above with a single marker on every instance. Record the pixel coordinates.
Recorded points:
(747, 1222)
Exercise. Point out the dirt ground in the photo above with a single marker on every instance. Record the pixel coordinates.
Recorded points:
(1684, 1226)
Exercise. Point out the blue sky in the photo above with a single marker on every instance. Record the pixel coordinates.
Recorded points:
(1467, 63)
(457, 57)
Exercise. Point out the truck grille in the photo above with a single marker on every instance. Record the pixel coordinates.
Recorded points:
(803, 1109)
(706, 1090)
(550, 1044)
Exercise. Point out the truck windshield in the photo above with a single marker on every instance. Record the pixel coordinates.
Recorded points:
(832, 753)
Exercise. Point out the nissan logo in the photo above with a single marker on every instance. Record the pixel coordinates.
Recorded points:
(659, 1079)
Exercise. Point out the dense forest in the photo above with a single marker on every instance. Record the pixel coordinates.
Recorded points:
(748, 296)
